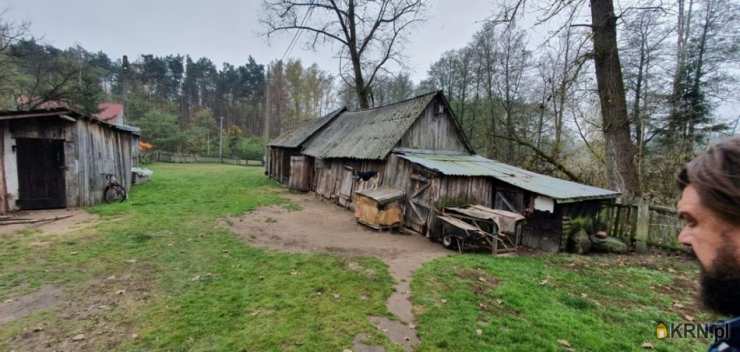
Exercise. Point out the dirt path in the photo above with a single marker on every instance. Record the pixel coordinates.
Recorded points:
(324, 227)
(70, 219)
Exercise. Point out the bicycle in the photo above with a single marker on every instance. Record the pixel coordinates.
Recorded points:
(113, 190)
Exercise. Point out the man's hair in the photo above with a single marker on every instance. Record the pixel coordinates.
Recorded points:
(715, 175)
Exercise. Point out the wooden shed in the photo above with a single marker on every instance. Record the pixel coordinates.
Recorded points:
(446, 179)
(57, 158)
(417, 147)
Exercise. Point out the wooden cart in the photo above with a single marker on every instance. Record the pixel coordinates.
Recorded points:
(476, 226)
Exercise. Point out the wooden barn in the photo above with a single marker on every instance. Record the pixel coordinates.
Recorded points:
(288, 145)
(416, 146)
(57, 158)
(350, 153)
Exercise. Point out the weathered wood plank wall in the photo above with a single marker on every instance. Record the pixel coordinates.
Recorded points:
(301, 172)
(475, 190)
(90, 150)
(3, 187)
(433, 131)
(330, 173)
(101, 150)
(397, 173)
(278, 163)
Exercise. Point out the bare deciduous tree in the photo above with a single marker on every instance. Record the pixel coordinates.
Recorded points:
(370, 33)
(512, 64)
(10, 32)
(620, 151)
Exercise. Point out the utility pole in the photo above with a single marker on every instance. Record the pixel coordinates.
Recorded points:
(221, 139)
(267, 108)
(124, 84)
(266, 126)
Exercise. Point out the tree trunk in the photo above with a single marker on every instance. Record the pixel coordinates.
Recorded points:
(636, 113)
(683, 31)
(493, 146)
(620, 151)
(561, 92)
(363, 92)
(694, 111)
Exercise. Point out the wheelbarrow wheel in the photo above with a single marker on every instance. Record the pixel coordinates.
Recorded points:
(449, 241)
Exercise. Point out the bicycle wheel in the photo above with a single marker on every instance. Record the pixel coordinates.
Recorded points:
(114, 193)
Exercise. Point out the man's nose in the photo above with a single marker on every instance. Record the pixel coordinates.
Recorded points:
(684, 237)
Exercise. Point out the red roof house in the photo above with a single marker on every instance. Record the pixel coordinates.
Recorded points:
(111, 113)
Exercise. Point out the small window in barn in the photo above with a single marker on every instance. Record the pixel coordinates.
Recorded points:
(319, 163)
(440, 109)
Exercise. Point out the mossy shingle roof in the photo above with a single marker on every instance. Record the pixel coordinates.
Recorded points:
(367, 134)
(296, 137)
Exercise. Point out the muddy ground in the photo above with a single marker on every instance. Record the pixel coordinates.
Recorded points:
(322, 226)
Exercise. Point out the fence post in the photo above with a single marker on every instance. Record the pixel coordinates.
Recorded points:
(643, 225)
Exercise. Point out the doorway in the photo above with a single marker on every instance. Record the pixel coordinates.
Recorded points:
(419, 203)
(40, 173)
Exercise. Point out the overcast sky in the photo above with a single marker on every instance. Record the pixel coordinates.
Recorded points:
(222, 30)
(229, 31)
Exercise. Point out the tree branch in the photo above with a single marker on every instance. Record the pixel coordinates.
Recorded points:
(311, 29)
(542, 155)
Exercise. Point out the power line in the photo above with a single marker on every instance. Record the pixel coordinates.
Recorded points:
(298, 32)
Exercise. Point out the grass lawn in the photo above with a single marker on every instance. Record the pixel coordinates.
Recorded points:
(554, 303)
(179, 281)
(159, 273)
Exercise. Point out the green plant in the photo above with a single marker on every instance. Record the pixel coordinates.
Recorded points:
(573, 225)
(445, 202)
(250, 148)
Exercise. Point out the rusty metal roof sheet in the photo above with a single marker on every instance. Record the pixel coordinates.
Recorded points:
(475, 165)
(368, 134)
(296, 137)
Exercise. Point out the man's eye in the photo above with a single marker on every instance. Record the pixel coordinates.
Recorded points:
(687, 222)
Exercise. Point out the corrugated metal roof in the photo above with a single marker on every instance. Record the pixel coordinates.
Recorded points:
(367, 134)
(296, 137)
(475, 165)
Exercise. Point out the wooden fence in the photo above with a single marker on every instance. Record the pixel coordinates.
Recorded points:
(168, 157)
(644, 225)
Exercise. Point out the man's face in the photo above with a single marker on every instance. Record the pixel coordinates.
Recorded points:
(703, 230)
(715, 243)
